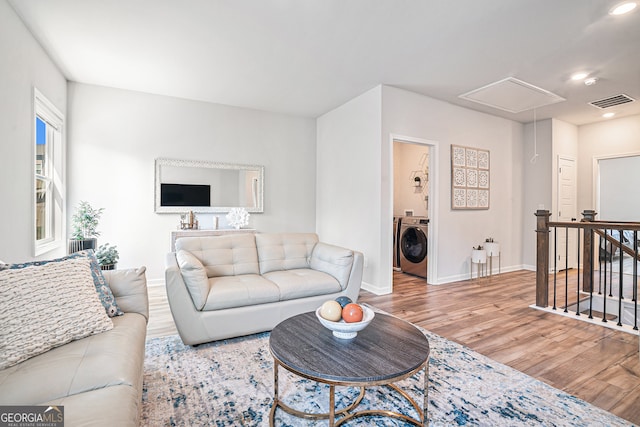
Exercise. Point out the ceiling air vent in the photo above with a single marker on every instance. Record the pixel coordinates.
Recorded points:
(612, 101)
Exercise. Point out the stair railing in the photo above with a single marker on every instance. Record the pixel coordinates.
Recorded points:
(611, 238)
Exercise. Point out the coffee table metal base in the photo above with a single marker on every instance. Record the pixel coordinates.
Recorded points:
(337, 418)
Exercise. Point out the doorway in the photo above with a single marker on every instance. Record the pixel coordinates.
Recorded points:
(414, 195)
(615, 180)
(616, 188)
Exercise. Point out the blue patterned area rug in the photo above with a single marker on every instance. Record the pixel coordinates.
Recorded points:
(230, 383)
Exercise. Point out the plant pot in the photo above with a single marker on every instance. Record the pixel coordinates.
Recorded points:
(81, 245)
(478, 256)
(492, 248)
(108, 267)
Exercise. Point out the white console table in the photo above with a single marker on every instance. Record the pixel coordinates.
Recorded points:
(176, 234)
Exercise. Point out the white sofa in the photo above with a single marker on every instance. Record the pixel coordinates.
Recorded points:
(98, 379)
(226, 286)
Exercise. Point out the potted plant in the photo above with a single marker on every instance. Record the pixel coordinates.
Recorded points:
(84, 224)
(107, 256)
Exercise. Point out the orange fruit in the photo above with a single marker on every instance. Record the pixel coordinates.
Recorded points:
(352, 313)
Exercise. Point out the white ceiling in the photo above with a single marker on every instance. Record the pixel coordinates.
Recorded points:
(306, 57)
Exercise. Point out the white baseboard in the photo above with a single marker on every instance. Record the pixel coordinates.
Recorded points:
(584, 318)
(374, 289)
(467, 276)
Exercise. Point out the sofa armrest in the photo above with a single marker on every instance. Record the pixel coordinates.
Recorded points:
(189, 320)
(355, 278)
(129, 287)
(333, 260)
(173, 277)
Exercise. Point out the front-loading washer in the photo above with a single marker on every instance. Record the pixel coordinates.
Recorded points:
(414, 233)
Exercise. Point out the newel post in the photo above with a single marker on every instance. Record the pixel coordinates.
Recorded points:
(587, 251)
(542, 258)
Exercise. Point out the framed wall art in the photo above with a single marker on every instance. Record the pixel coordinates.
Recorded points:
(469, 178)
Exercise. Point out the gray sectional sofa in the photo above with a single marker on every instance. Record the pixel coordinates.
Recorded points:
(232, 285)
(97, 379)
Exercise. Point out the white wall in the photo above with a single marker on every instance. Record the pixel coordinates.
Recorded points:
(115, 135)
(409, 114)
(611, 138)
(537, 183)
(355, 189)
(585, 143)
(618, 185)
(348, 180)
(23, 65)
(406, 159)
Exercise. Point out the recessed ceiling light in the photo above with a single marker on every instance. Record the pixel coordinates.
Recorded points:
(623, 8)
(579, 76)
(591, 81)
(608, 115)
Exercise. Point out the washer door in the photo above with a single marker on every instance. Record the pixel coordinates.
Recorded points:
(414, 245)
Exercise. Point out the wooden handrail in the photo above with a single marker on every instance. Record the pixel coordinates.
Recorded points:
(589, 222)
(591, 226)
(597, 225)
(616, 244)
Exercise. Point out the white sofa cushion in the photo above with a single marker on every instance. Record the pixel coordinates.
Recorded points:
(195, 277)
(99, 361)
(227, 255)
(238, 291)
(302, 283)
(284, 251)
(333, 260)
(42, 307)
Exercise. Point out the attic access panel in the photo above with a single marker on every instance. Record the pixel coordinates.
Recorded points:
(512, 95)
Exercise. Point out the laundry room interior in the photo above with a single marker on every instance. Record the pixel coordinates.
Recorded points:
(411, 208)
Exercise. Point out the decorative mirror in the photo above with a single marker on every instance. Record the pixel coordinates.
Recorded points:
(201, 186)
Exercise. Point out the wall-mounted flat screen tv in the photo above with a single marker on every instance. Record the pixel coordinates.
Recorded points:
(185, 195)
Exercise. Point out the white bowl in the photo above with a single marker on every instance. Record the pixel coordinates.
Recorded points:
(344, 330)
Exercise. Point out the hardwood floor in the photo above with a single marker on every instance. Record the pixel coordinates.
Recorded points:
(492, 316)
(160, 322)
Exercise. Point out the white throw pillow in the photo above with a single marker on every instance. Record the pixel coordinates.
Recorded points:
(195, 277)
(42, 307)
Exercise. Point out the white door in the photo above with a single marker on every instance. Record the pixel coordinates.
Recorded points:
(566, 213)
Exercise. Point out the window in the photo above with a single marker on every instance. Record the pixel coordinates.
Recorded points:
(48, 170)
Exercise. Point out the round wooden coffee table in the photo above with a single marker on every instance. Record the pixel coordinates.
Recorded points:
(387, 351)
